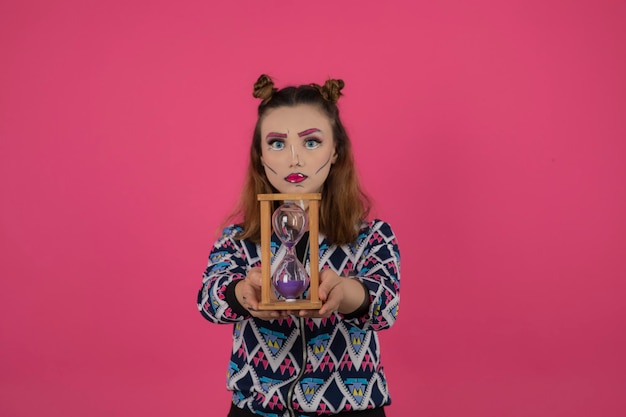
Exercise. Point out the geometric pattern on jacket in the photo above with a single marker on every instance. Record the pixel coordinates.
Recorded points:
(331, 364)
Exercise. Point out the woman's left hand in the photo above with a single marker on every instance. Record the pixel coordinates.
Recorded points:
(338, 294)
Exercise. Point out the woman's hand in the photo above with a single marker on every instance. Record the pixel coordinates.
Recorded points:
(248, 292)
(340, 294)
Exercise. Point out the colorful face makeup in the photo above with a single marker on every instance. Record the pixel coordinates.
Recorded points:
(297, 148)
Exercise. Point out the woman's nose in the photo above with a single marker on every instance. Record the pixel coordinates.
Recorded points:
(295, 157)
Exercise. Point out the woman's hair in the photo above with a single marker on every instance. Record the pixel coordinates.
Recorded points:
(344, 204)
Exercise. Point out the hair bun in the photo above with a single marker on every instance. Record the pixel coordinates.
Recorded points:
(264, 88)
(331, 91)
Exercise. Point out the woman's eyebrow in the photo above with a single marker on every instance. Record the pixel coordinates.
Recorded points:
(276, 135)
(309, 131)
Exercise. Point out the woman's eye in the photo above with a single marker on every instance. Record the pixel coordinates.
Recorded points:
(312, 143)
(277, 145)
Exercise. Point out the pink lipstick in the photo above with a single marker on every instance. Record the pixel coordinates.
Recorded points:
(295, 178)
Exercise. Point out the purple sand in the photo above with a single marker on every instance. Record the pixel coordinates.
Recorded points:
(290, 289)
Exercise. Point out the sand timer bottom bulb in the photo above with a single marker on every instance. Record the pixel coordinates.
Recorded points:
(290, 279)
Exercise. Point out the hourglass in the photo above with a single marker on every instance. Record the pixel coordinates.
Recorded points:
(290, 279)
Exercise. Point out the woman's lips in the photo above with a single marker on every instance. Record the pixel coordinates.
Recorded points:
(295, 178)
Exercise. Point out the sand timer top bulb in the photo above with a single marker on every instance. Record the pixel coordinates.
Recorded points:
(290, 223)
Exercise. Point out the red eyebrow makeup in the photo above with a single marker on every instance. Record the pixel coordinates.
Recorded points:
(308, 132)
(276, 135)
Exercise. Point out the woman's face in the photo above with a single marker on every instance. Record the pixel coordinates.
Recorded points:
(297, 148)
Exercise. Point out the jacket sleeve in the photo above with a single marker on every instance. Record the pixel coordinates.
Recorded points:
(227, 265)
(378, 268)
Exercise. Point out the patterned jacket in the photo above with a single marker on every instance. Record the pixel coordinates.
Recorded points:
(321, 365)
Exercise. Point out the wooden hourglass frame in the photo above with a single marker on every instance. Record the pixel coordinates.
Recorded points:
(267, 303)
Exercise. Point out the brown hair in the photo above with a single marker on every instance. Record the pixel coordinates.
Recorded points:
(344, 204)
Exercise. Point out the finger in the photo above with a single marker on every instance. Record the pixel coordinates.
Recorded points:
(255, 278)
(265, 314)
(249, 297)
(326, 310)
(310, 314)
(326, 288)
(332, 302)
(328, 280)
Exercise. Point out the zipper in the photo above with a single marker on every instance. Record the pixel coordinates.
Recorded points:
(292, 387)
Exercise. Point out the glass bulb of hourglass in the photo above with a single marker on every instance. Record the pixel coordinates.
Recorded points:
(290, 279)
(290, 223)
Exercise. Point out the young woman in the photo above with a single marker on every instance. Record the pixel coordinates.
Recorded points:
(308, 362)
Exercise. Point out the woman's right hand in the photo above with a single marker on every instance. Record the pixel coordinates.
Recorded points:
(248, 292)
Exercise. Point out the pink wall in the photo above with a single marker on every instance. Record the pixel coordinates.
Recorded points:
(491, 134)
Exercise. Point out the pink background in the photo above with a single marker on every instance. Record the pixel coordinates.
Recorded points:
(491, 134)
